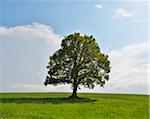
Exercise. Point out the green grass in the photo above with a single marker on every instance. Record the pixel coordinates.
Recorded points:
(56, 106)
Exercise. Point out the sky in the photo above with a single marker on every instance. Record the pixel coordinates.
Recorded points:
(31, 31)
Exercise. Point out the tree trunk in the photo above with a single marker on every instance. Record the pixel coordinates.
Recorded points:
(74, 93)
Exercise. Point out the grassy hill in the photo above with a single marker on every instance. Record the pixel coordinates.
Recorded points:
(56, 106)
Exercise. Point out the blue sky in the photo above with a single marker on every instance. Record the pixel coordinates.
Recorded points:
(30, 31)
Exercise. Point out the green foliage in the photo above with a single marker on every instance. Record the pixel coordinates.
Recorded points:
(90, 106)
(79, 61)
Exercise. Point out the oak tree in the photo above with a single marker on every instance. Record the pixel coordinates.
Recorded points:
(78, 62)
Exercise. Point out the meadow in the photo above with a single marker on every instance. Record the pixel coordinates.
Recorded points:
(89, 106)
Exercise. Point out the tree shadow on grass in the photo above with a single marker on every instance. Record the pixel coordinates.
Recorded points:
(45, 100)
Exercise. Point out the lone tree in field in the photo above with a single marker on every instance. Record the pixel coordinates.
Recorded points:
(79, 61)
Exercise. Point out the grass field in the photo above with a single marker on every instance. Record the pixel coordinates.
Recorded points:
(56, 106)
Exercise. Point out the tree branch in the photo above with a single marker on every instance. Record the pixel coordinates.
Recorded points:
(55, 81)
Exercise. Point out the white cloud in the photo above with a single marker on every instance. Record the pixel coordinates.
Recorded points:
(134, 15)
(98, 6)
(129, 68)
(40, 88)
(121, 12)
(24, 52)
(30, 32)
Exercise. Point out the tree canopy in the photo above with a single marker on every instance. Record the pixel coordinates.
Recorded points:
(78, 62)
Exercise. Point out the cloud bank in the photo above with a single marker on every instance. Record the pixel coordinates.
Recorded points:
(31, 32)
(25, 51)
(130, 68)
